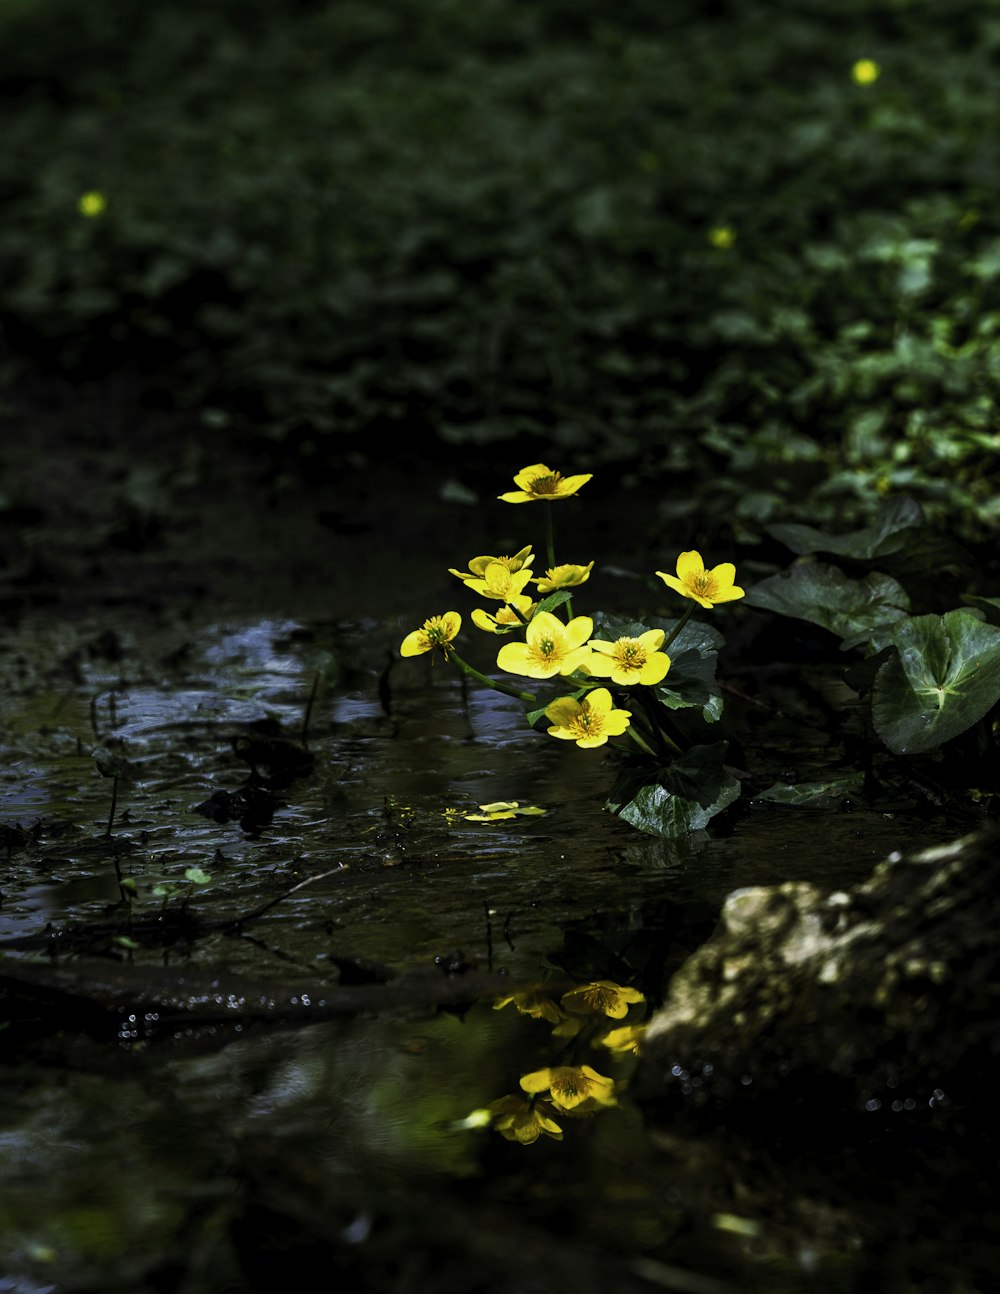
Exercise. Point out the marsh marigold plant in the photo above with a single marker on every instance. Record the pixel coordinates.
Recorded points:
(597, 681)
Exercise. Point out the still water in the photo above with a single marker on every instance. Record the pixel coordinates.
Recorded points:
(203, 1157)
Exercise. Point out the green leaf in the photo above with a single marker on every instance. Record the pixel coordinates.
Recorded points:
(887, 534)
(196, 876)
(694, 636)
(989, 607)
(945, 677)
(690, 683)
(672, 801)
(815, 795)
(553, 600)
(825, 596)
(611, 628)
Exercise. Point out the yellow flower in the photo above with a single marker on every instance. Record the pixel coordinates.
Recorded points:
(630, 660)
(704, 587)
(550, 648)
(865, 71)
(524, 1121)
(624, 1040)
(540, 482)
(437, 631)
(603, 997)
(92, 204)
(478, 565)
(563, 577)
(569, 1086)
(500, 582)
(533, 1001)
(590, 721)
(569, 1026)
(504, 809)
(505, 619)
(722, 237)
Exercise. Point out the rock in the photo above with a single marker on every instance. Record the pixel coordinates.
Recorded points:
(806, 1001)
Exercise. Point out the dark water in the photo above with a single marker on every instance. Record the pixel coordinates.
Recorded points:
(218, 1157)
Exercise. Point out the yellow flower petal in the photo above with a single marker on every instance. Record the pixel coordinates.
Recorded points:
(524, 1121)
(539, 482)
(550, 647)
(478, 565)
(624, 1040)
(703, 586)
(436, 632)
(629, 661)
(602, 997)
(563, 577)
(532, 1001)
(537, 1081)
(570, 1086)
(500, 582)
(589, 722)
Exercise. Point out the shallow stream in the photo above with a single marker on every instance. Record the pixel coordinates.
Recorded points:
(215, 1156)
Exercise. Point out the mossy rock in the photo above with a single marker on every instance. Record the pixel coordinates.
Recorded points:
(879, 1000)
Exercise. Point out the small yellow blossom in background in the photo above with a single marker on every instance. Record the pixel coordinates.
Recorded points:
(563, 577)
(500, 582)
(603, 997)
(550, 647)
(504, 809)
(704, 587)
(540, 482)
(478, 565)
(505, 618)
(624, 1041)
(571, 1086)
(524, 1121)
(722, 237)
(481, 1118)
(590, 721)
(92, 204)
(630, 660)
(437, 632)
(865, 71)
(533, 1001)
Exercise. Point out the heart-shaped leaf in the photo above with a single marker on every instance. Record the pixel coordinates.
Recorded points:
(825, 596)
(945, 677)
(690, 683)
(815, 795)
(684, 797)
(887, 534)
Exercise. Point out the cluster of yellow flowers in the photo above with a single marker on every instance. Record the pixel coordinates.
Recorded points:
(553, 647)
(571, 1091)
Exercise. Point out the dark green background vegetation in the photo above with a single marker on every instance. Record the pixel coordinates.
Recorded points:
(453, 222)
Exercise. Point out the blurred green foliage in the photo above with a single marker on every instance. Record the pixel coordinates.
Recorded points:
(677, 231)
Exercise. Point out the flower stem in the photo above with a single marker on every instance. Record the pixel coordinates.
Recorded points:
(550, 541)
(663, 740)
(677, 628)
(497, 686)
(640, 741)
